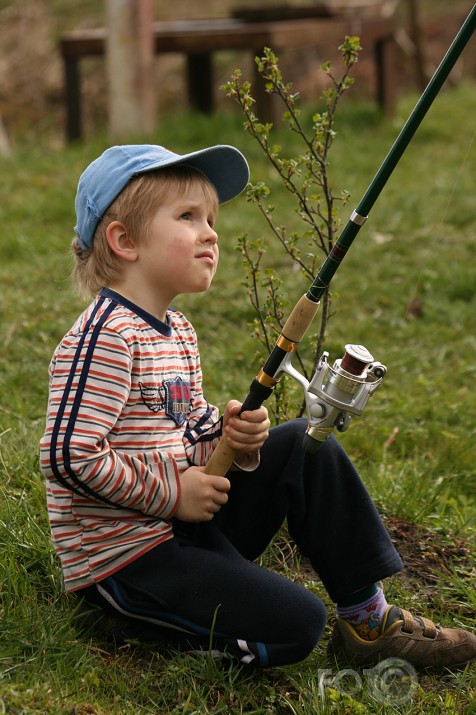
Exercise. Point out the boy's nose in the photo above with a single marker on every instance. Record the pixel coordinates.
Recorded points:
(209, 234)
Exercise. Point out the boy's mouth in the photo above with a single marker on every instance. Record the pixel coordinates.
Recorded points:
(207, 256)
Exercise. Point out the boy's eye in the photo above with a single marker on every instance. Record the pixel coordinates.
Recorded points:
(186, 216)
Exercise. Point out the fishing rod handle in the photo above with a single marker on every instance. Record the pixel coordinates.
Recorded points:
(223, 456)
(262, 386)
(221, 460)
(300, 319)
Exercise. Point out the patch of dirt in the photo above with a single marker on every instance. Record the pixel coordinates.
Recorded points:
(427, 554)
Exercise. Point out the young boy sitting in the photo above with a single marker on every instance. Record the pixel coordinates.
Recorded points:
(144, 535)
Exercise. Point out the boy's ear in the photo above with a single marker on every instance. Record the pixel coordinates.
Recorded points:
(119, 241)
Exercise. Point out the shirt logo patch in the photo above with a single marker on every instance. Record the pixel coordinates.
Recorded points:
(177, 400)
(153, 397)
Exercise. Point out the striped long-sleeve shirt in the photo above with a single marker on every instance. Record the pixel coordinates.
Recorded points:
(126, 415)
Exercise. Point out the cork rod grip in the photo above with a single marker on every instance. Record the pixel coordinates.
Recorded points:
(221, 459)
(300, 319)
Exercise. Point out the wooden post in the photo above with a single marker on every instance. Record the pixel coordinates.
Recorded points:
(4, 142)
(129, 61)
(416, 35)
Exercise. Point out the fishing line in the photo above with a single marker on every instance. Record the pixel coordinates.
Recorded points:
(458, 178)
(442, 221)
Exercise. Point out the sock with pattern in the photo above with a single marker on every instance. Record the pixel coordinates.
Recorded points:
(365, 610)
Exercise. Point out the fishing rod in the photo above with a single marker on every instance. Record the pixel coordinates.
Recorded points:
(334, 393)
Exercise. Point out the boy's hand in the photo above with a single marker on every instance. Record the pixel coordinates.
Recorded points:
(248, 431)
(201, 495)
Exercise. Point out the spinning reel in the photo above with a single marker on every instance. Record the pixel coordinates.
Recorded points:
(336, 393)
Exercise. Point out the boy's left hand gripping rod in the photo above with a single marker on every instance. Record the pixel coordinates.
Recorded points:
(264, 383)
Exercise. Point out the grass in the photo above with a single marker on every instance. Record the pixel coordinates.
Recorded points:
(414, 446)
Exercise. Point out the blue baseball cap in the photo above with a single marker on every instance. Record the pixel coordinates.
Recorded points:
(104, 179)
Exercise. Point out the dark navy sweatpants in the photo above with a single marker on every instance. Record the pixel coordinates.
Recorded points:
(201, 590)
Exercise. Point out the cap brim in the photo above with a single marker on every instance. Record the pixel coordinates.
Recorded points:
(225, 166)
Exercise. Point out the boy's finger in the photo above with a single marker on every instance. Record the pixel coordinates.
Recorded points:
(233, 407)
(248, 427)
(260, 415)
(221, 484)
(220, 498)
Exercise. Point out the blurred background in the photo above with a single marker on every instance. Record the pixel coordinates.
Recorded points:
(31, 72)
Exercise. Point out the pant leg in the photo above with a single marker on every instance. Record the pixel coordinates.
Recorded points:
(330, 514)
(200, 593)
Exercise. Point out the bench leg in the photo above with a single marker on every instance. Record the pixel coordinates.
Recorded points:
(386, 79)
(72, 98)
(200, 82)
(267, 104)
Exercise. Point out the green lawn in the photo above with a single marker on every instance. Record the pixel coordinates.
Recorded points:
(414, 446)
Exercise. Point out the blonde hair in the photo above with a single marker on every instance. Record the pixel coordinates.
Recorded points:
(97, 266)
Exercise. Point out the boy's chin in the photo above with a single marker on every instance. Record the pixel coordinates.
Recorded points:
(202, 288)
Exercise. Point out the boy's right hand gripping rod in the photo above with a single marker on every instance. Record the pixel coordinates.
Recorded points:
(306, 308)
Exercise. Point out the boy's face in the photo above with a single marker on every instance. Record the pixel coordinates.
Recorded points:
(180, 253)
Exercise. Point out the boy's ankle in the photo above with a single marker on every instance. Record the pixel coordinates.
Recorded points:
(366, 617)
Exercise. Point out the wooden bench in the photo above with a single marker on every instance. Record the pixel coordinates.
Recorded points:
(200, 39)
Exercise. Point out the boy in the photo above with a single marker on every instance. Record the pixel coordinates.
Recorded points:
(144, 535)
